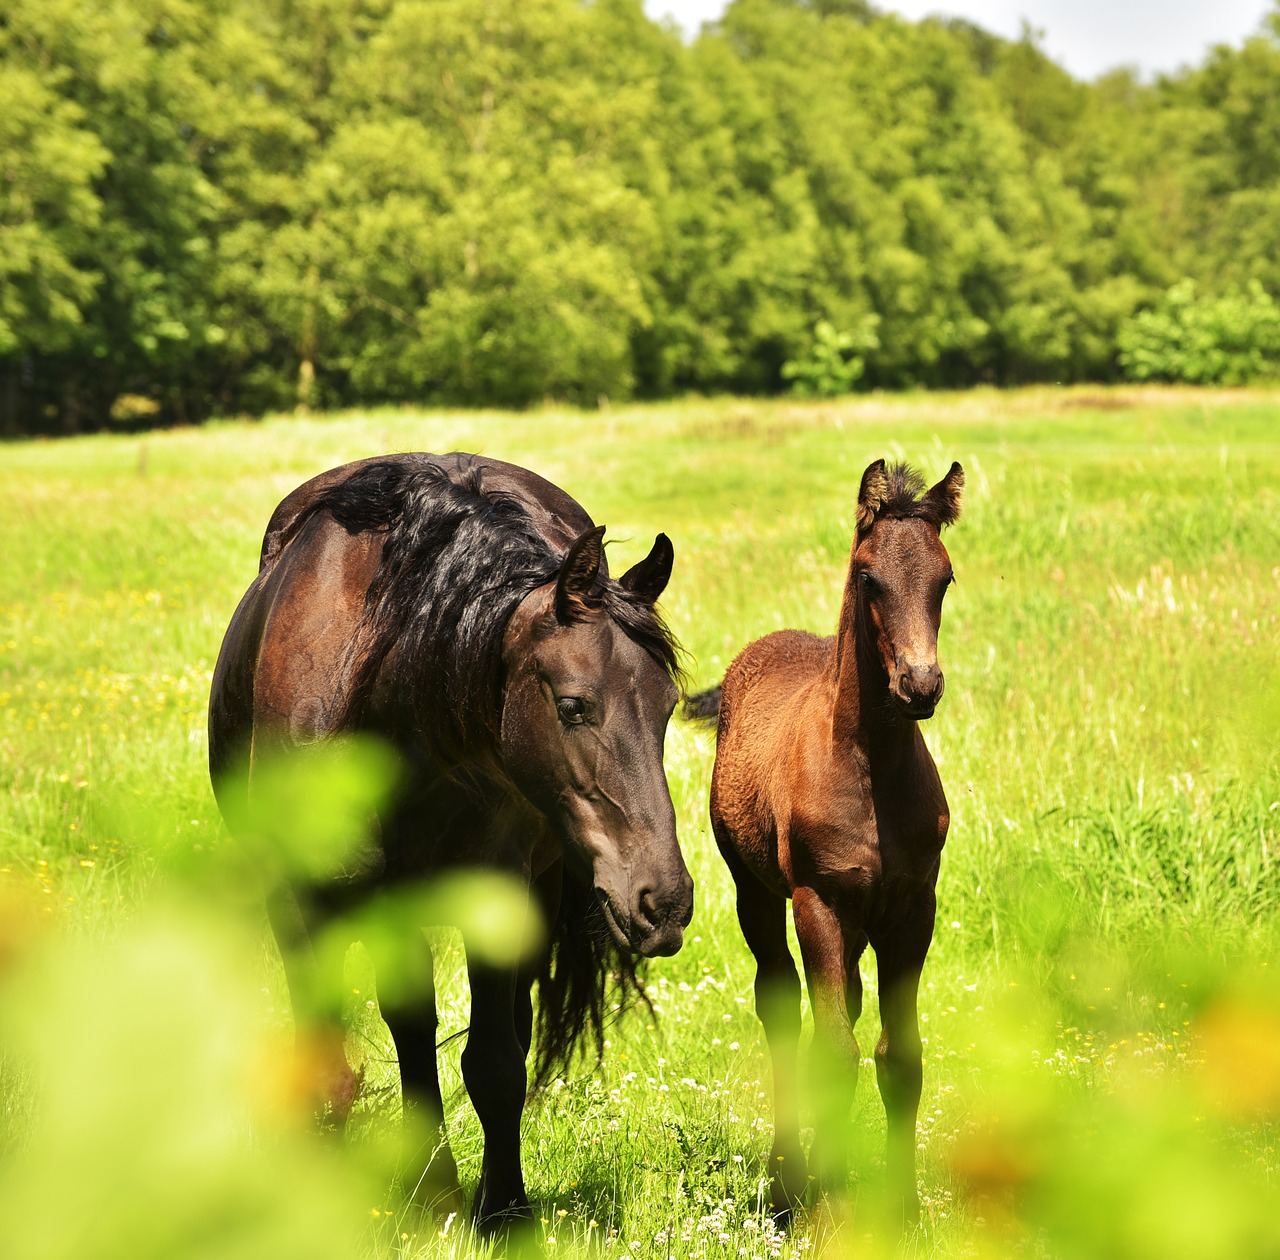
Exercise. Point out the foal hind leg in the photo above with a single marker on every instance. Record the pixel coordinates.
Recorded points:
(762, 915)
(427, 1169)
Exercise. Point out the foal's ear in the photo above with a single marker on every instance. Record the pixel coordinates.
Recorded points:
(872, 494)
(576, 584)
(649, 578)
(942, 503)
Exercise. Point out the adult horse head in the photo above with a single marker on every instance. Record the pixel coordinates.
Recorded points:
(461, 610)
(587, 701)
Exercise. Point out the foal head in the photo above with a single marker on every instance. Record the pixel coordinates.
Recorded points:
(588, 696)
(899, 575)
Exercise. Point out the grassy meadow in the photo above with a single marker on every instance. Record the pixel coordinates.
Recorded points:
(1101, 1007)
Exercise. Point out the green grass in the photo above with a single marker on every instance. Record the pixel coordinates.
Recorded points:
(1101, 1004)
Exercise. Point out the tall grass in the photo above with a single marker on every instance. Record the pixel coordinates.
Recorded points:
(1101, 1006)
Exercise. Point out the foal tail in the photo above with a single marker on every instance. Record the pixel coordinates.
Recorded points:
(704, 706)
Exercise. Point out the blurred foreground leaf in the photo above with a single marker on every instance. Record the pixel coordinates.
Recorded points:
(310, 812)
(149, 1137)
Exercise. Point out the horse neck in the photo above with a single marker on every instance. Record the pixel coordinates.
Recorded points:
(862, 714)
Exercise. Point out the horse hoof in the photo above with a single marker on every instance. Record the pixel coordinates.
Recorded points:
(788, 1185)
(780, 1212)
(513, 1223)
(438, 1199)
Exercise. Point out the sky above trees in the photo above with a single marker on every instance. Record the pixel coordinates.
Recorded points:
(1088, 37)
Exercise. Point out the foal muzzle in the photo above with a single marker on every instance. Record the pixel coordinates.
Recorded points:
(917, 689)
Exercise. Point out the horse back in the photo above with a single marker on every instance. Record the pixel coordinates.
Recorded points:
(770, 693)
(558, 517)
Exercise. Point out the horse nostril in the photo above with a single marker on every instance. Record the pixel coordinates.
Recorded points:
(647, 908)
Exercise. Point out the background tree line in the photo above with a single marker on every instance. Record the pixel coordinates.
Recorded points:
(211, 206)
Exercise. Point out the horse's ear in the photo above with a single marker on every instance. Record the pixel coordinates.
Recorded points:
(872, 494)
(649, 578)
(575, 587)
(942, 502)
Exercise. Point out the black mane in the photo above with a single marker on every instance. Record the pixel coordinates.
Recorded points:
(455, 563)
(457, 559)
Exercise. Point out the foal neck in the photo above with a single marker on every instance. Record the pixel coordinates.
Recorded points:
(863, 713)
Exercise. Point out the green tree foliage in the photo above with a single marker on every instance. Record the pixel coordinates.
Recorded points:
(212, 205)
(833, 364)
(1224, 340)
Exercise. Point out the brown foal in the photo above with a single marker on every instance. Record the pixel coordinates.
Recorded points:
(824, 792)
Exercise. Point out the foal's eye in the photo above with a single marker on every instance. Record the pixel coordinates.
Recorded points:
(870, 583)
(571, 710)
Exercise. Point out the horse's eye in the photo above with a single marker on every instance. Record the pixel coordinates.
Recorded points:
(571, 710)
(870, 583)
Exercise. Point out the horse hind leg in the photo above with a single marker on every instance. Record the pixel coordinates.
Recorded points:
(762, 915)
(428, 1172)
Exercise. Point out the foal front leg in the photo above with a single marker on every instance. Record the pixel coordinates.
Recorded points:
(493, 1069)
(835, 1057)
(900, 958)
(763, 917)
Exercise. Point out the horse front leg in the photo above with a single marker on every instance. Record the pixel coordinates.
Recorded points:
(428, 1172)
(900, 958)
(834, 1055)
(493, 1069)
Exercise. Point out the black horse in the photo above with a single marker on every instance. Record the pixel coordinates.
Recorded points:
(460, 609)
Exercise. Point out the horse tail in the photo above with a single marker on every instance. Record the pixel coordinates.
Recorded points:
(704, 706)
(586, 980)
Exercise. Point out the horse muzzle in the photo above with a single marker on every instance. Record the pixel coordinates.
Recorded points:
(651, 921)
(916, 690)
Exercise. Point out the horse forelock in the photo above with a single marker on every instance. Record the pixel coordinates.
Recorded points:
(641, 622)
(904, 498)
